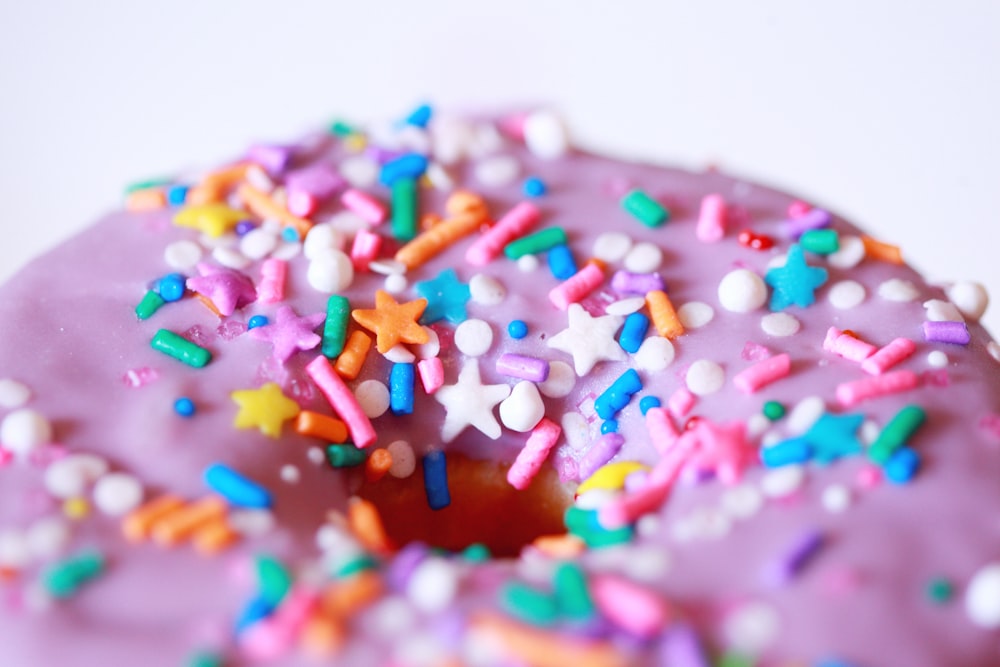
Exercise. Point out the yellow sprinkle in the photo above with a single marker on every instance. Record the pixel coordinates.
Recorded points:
(355, 143)
(212, 219)
(76, 508)
(611, 477)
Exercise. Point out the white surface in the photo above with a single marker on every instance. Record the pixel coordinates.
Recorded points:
(886, 112)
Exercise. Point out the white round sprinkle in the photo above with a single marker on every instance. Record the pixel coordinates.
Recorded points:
(898, 290)
(432, 347)
(387, 267)
(287, 251)
(545, 135)
(400, 354)
(937, 359)
(695, 314)
(849, 254)
(451, 137)
(783, 482)
(486, 139)
(15, 552)
(117, 493)
(654, 354)
(561, 380)
(433, 585)
(321, 239)
(70, 476)
(742, 291)
(523, 409)
(13, 394)
(982, 597)
(576, 430)
(182, 255)
(24, 431)
(330, 537)
(625, 307)
(752, 628)
(258, 244)
(528, 263)
(373, 397)
(868, 432)
(804, 414)
(391, 617)
(251, 522)
(473, 337)
(231, 258)
(847, 294)
(404, 461)
(48, 538)
(970, 298)
(396, 283)
(360, 171)
(705, 377)
(497, 171)
(316, 456)
(757, 425)
(486, 290)
(439, 177)
(836, 498)
(942, 311)
(612, 246)
(644, 258)
(741, 502)
(330, 272)
(290, 474)
(780, 325)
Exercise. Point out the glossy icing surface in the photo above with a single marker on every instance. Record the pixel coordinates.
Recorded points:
(69, 332)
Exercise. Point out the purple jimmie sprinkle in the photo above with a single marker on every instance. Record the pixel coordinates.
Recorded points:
(792, 560)
(627, 282)
(681, 648)
(602, 451)
(272, 157)
(520, 366)
(947, 332)
(817, 218)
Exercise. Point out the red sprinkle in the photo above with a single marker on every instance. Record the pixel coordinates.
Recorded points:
(754, 241)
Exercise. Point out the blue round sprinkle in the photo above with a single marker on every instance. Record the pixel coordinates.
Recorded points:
(244, 226)
(290, 234)
(257, 321)
(648, 402)
(177, 194)
(171, 287)
(517, 329)
(534, 187)
(902, 466)
(184, 406)
(609, 426)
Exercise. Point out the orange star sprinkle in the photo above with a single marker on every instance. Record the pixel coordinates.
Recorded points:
(393, 322)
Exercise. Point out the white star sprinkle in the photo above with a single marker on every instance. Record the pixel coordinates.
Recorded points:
(469, 402)
(589, 339)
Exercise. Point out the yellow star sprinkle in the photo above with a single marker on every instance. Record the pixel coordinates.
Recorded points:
(212, 219)
(393, 322)
(611, 476)
(265, 408)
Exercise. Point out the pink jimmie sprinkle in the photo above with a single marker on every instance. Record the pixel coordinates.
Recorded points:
(852, 393)
(868, 477)
(631, 607)
(530, 459)
(681, 402)
(431, 374)
(763, 373)
(140, 377)
(5, 457)
(662, 431)
(888, 356)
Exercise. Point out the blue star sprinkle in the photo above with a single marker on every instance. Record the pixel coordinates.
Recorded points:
(795, 282)
(446, 298)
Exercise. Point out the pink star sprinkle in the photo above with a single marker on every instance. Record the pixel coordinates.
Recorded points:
(227, 289)
(289, 333)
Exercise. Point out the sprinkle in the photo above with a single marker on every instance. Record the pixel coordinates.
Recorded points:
(602, 451)
(307, 188)
(365, 249)
(644, 208)
(627, 282)
(353, 357)
(392, 322)
(664, 317)
(610, 476)
(436, 480)
(320, 426)
(446, 298)
(644, 258)
(214, 220)
(647, 403)
(528, 604)
(533, 244)
(816, 218)
(180, 348)
(577, 287)
(442, 235)
(820, 241)
(618, 395)
(379, 463)
(711, 219)
(896, 433)
(523, 409)
(523, 367)
(982, 597)
(364, 521)
(546, 649)
(235, 488)
(289, 333)
(562, 265)
(13, 394)
(704, 377)
(266, 408)
(589, 339)
(662, 432)
(956, 333)
(847, 346)
(529, 460)
(939, 590)
(138, 525)
(513, 224)
(544, 135)
(534, 187)
(401, 379)
(345, 456)
(117, 493)
(852, 393)
(681, 648)
(410, 166)
(902, 465)
(66, 577)
(517, 329)
(779, 325)
(786, 452)
(342, 401)
(266, 208)
(151, 302)
(846, 294)
(272, 637)
(681, 402)
(184, 522)
(215, 186)
(888, 356)
(171, 287)
(795, 557)
(883, 252)
(632, 607)
(227, 289)
(795, 282)
(833, 436)
(749, 239)
(763, 373)
(365, 205)
(404, 209)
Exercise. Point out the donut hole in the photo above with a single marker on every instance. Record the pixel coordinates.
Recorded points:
(485, 508)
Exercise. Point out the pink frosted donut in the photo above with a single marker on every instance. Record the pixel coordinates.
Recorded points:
(540, 408)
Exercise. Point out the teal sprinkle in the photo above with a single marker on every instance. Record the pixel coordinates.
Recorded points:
(528, 604)
(273, 579)
(67, 577)
(355, 565)
(476, 553)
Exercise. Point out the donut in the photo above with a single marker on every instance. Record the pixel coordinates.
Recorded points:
(447, 390)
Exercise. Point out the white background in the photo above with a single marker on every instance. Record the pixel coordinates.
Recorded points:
(887, 112)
